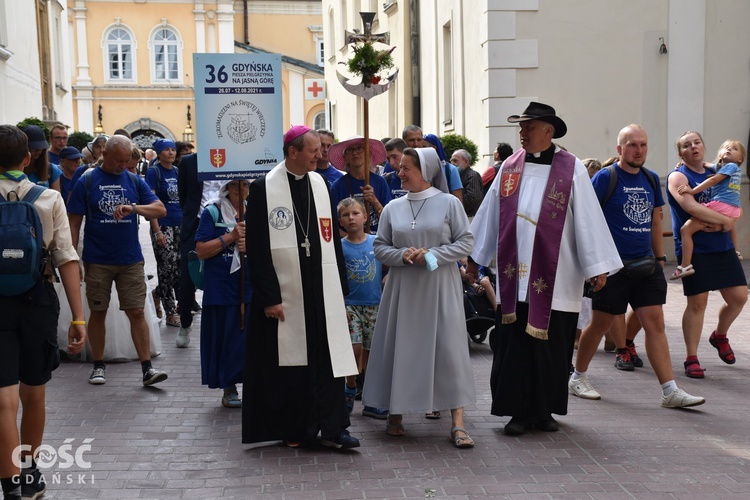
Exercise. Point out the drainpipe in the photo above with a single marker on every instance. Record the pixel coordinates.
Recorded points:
(246, 21)
(416, 103)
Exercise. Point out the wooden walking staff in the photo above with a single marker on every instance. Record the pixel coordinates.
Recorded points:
(368, 63)
(241, 216)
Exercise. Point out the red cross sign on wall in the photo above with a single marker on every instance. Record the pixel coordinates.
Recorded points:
(315, 89)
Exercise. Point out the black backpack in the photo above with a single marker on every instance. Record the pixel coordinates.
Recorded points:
(652, 179)
(22, 254)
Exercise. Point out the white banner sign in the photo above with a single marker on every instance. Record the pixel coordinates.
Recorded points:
(238, 112)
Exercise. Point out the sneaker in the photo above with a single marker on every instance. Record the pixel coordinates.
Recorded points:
(582, 388)
(609, 346)
(371, 411)
(349, 395)
(154, 376)
(343, 441)
(681, 399)
(183, 337)
(98, 376)
(623, 361)
(637, 361)
(33, 486)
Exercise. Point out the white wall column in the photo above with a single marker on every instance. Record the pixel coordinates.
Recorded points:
(83, 86)
(225, 20)
(686, 67)
(200, 28)
(296, 97)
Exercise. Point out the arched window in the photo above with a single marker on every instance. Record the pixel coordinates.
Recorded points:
(120, 55)
(320, 121)
(166, 52)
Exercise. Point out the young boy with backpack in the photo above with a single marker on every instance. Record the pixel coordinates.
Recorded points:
(35, 240)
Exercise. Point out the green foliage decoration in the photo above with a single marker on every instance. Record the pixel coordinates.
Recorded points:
(454, 142)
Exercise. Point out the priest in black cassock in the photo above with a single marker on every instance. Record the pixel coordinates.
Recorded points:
(297, 349)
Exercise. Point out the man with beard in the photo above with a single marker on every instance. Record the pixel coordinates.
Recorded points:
(633, 215)
(297, 349)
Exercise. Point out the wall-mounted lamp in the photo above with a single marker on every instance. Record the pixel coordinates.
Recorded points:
(99, 129)
(187, 134)
(663, 47)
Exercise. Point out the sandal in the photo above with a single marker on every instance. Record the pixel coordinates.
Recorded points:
(722, 345)
(395, 426)
(434, 415)
(682, 272)
(693, 369)
(157, 304)
(173, 320)
(231, 400)
(464, 441)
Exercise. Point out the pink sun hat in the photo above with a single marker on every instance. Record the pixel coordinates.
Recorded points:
(336, 151)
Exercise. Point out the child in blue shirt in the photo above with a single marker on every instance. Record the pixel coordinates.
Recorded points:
(364, 275)
(725, 199)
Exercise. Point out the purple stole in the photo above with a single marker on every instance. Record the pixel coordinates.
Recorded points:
(546, 252)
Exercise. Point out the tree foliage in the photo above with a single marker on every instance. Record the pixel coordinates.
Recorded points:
(454, 142)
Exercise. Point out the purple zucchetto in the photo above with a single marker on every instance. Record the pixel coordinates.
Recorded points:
(294, 132)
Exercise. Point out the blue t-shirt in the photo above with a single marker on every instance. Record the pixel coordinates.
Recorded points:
(106, 240)
(453, 176)
(166, 190)
(54, 174)
(628, 211)
(703, 241)
(728, 190)
(330, 174)
(77, 175)
(53, 157)
(66, 185)
(394, 182)
(219, 287)
(348, 186)
(364, 273)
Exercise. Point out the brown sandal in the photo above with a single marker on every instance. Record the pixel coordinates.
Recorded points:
(174, 320)
(393, 427)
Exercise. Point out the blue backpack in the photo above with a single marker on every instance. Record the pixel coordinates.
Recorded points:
(195, 265)
(22, 254)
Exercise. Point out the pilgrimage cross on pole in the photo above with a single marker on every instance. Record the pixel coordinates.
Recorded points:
(367, 36)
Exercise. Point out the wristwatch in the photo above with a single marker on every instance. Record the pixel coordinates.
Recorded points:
(133, 205)
(663, 258)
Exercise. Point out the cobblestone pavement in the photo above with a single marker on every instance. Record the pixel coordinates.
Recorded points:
(175, 440)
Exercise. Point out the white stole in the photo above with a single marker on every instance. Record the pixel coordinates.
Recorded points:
(285, 256)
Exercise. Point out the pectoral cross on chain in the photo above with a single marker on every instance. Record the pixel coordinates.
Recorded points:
(306, 245)
(413, 223)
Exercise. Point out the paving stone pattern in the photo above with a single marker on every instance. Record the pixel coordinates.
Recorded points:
(175, 440)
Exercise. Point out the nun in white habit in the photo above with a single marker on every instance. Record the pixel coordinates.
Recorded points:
(419, 361)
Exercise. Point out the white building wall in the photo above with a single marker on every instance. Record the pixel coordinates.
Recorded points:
(20, 84)
(389, 112)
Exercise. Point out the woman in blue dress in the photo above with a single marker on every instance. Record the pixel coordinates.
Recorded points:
(220, 245)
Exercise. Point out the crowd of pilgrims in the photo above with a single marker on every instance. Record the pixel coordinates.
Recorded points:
(413, 167)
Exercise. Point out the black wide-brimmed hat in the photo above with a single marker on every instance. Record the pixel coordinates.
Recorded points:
(543, 112)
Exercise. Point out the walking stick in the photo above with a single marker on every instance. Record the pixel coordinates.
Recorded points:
(240, 210)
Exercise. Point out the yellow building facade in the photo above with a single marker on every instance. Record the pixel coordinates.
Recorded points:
(133, 60)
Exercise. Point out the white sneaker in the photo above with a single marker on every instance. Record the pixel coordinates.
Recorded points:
(183, 337)
(582, 388)
(681, 399)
